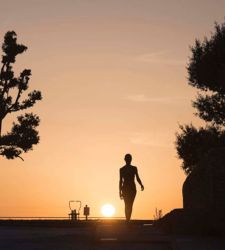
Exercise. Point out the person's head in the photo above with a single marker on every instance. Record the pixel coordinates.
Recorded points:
(128, 158)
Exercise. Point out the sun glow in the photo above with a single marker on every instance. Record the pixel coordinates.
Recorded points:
(108, 210)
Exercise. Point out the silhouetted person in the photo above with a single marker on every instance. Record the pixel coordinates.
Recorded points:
(127, 187)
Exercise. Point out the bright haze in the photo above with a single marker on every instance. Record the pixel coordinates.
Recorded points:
(114, 81)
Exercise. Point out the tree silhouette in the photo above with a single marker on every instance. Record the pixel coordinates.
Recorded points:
(23, 134)
(206, 72)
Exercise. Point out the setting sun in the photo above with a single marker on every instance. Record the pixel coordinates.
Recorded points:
(108, 210)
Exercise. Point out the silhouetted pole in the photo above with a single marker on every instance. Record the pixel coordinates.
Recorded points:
(86, 211)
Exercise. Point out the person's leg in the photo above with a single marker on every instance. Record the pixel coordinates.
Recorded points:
(128, 211)
(126, 202)
(129, 205)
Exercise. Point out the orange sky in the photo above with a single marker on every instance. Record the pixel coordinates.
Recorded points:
(113, 78)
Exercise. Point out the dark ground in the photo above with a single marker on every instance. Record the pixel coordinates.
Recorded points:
(97, 235)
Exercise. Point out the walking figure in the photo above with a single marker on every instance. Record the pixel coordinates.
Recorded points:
(127, 187)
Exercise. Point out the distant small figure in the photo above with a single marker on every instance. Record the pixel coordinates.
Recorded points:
(127, 187)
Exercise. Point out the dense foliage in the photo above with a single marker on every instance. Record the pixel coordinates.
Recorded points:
(206, 71)
(23, 134)
(194, 144)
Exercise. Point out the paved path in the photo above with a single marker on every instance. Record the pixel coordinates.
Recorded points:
(130, 236)
(100, 237)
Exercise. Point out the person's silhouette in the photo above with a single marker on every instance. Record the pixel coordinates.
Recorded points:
(127, 187)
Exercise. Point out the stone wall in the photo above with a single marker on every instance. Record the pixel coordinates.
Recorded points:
(203, 200)
(204, 188)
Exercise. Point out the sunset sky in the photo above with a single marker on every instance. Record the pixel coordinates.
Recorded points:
(114, 81)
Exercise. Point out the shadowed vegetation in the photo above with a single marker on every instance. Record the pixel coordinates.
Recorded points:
(23, 134)
(206, 72)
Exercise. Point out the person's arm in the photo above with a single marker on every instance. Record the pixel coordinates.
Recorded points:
(120, 185)
(139, 180)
